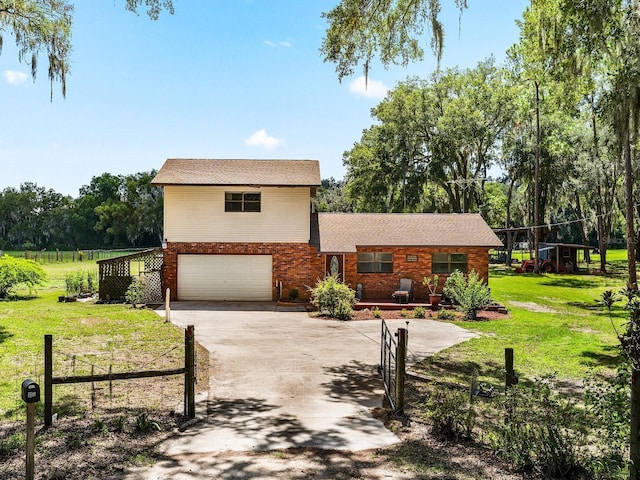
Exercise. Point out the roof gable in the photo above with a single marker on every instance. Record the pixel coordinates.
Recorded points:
(343, 232)
(182, 171)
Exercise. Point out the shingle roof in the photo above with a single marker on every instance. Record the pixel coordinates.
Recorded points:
(342, 232)
(183, 171)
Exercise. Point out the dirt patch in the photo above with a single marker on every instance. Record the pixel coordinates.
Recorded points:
(534, 307)
(101, 429)
(96, 448)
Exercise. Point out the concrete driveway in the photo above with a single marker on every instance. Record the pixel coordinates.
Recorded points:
(281, 379)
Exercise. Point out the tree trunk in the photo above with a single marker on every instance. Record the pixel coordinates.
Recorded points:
(583, 228)
(632, 281)
(536, 181)
(632, 284)
(507, 224)
(634, 440)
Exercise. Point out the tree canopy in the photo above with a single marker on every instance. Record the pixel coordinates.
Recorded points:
(392, 30)
(111, 211)
(45, 27)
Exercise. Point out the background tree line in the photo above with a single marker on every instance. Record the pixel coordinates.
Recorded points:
(112, 211)
(525, 144)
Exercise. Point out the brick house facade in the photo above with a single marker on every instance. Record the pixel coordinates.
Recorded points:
(381, 285)
(245, 230)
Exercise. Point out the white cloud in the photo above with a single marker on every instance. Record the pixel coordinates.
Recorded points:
(277, 44)
(15, 78)
(262, 139)
(370, 89)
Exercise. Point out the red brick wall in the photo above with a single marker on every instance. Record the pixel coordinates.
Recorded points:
(297, 265)
(382, 285)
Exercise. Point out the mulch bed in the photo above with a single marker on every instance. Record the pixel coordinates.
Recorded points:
(366, 314)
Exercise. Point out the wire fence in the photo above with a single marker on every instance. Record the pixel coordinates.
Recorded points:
(65, 256)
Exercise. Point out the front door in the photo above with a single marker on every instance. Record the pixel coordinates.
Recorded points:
(334, 265)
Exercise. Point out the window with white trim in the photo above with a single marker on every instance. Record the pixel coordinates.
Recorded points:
(242, 201)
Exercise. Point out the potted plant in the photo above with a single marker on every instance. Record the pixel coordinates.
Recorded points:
(432, 284)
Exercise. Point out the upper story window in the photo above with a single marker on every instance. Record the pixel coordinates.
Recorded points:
(449, 262)
(242, 201)
(375, 262)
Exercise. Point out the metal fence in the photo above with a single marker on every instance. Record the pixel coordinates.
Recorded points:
(387, 367)
(60, 256)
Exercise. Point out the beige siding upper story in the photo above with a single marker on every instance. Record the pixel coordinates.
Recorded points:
(196, 214)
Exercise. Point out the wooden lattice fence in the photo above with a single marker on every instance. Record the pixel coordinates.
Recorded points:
(116, 274)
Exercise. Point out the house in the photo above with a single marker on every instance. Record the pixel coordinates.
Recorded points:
(245, 230)
(375, 250)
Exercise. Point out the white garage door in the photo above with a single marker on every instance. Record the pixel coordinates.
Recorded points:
(224, 277)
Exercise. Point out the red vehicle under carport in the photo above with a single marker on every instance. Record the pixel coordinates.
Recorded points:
(555, 258)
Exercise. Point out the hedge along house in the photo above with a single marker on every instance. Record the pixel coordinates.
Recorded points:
(245, 230)
(375, 250)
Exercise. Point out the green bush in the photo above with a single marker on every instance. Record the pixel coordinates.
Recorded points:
(541, 432)
(469, 294)
(452, 413)
(607, 402)
(446, 315)
(294, 294)
(419, 312)
(18, 271)
(376, 312)
(334, 298)
(80, 281)
(135, 293)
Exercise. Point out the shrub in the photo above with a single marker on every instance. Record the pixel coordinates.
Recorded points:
(80, 281)
(404, 313)
(344, 310)
(17, 271)
(294, 294)
(419, 312)
(446, 315)
(469, 294)
(136, 291)
(375, 311)
(540, 432)
(333, 298)
(452, 413)
(607, 400)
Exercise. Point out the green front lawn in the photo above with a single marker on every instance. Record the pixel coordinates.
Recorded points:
(84, 335)
(555, 326)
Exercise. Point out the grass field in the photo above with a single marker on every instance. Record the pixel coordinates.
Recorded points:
(555, 327)
(85, 336)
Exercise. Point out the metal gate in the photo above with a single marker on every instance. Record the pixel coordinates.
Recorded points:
(392, 365)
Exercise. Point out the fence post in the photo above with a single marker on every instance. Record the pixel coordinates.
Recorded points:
(167, 306)
(48, 380)
(31, 414)
(510, 374)
(189, 377)
(401, 360)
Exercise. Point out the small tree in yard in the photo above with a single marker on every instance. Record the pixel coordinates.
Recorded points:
(333, 298)
(17, 271)
(469, 294)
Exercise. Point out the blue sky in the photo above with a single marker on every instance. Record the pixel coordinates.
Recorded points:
(219, 79)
